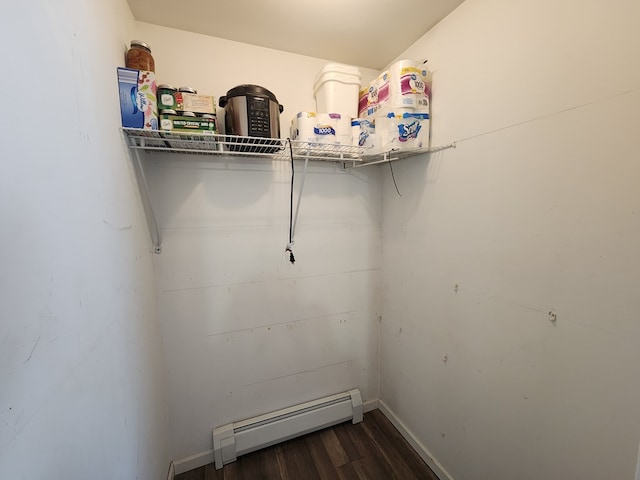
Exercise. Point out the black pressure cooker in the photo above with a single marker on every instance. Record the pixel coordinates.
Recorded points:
(251, 111)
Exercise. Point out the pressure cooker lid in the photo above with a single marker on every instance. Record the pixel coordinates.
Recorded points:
(242, 90)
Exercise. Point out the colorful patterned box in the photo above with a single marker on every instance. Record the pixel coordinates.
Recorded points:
(138, 105)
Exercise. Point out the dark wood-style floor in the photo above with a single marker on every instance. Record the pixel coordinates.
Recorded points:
(370, 450)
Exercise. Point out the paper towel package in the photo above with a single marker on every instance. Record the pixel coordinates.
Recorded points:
(403, 131)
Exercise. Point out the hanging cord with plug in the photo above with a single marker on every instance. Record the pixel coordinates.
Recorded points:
(289, 248)
(394, 178)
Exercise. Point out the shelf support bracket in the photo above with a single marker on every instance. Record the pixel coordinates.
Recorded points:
(146, 202)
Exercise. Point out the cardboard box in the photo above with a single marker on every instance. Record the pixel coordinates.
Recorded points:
(189, 133)
(191, 102)
(138, 105)
(187, 124)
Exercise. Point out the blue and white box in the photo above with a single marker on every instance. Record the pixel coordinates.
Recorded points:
(138, 104)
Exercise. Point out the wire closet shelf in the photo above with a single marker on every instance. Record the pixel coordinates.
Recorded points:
(232, 145)
(271, 148)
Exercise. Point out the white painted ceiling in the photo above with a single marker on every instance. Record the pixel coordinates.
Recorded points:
(366, 33)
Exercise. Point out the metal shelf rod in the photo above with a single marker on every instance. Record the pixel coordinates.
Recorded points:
(395, 155)
(146, 203)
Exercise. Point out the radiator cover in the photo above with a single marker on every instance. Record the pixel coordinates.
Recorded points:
(235, 439)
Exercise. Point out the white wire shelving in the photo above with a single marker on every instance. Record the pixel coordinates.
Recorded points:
(237, 146)
(270, 148)
(229, 146)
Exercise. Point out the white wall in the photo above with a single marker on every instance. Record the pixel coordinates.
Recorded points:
(244, 331)
(537, 209)
(82, 391)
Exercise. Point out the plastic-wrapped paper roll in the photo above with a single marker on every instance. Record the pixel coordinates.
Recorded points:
(409, 86)
(403, 131)
(374, 96)
(322, 128)
(363, 133)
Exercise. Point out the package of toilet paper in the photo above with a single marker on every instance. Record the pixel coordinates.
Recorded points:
(363, 133)
(403, 131)
(374, 96)
(409, 86)
(322, 128)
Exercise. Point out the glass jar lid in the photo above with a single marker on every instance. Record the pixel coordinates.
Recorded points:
(140, 43)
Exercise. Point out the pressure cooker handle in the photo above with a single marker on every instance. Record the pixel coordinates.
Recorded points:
(281, 108)
(222, 101)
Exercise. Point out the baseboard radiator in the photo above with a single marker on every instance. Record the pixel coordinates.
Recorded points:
(235, 439)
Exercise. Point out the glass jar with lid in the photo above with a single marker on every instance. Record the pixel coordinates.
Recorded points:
(188, 90)
(139, 57)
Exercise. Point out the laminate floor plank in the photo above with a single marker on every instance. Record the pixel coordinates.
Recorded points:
(370, 450)
(360, 439)
(403, 457)
(298, 460)
(282, 466)
(373, 468)
(347, 472)
(197, 474)
(388, 456)
(321, 458)
(351, 442)
(260, 465)
(269, 463)
(333, 447)
(210, 472)
(233, 471)
(396, 454)
(252, 466)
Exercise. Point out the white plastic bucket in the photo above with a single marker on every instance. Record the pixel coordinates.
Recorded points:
(336, 89)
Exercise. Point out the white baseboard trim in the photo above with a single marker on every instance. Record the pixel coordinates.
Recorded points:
(424, 453)
(194, 461)
(370, 405)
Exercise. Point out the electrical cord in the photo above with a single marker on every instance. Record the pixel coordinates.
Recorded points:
(289, 248)
(394, 179)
